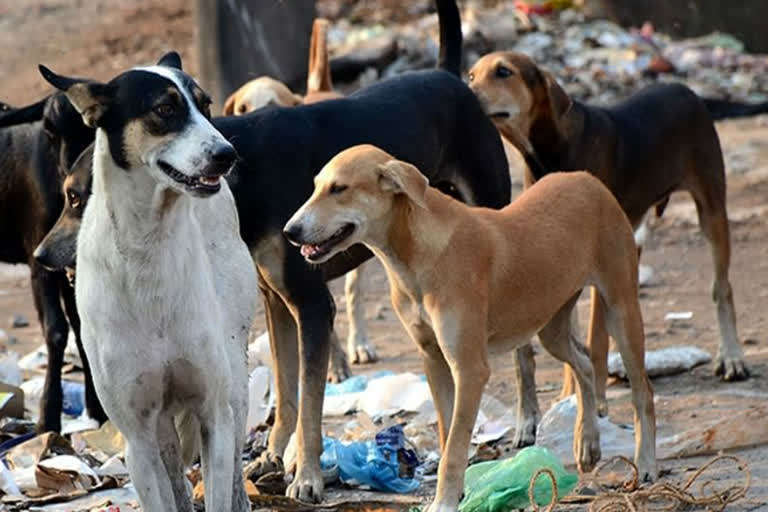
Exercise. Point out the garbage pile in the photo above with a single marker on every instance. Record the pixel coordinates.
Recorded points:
(595, 60)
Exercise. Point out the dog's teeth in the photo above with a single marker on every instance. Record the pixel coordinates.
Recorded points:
(205, 180)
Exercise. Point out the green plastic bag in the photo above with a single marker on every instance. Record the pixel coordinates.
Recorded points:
(502, 485)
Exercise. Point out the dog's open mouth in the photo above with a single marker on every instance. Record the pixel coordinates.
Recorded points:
(199, 183)
(499, 115)
(315, 252)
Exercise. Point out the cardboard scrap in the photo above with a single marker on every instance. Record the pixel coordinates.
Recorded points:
(12, 402)
(29, 453)
(107, 439)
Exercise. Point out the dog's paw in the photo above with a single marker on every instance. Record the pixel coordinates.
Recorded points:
(525, 434)
(307, 486)
(647, 471)
(441, 507)
(361, 353)
(586, 449)
(338, 370)
(265, 464)
(731, 368)
(602, 406)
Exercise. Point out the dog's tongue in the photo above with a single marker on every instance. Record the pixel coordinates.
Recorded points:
(309, 250)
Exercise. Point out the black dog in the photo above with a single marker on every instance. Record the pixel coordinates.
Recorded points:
(428, 118)
(38, 144)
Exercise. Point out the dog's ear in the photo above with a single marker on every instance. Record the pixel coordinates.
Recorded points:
(170, 60)
(229, 105)
(559, 102)
(90, 99)
(404, 178)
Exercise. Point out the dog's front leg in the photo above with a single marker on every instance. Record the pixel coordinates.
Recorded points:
(92, 403)
(46, 292)
(527, 400)
(157, 473)
(464, 350)
(436, 367)
(218, 445)
(315, 311)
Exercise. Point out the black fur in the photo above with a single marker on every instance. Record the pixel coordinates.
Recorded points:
(724, 109)
(38, 144)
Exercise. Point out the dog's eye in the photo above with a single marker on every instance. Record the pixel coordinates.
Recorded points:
(471, 76)
(164, 110)
(74, 199)
(337, 189)
(504, 72)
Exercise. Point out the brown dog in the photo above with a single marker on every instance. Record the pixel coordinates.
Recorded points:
(466, 280)
(659, 141)
(265, 91)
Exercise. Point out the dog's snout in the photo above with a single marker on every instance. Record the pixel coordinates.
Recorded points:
(43, 256)
(224, 155)
(293, 233)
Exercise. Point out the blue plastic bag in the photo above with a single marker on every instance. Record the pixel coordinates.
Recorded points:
(73, 397)
(371, 463)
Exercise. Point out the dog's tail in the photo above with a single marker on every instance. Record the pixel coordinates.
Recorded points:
(723, 109)
(450, 36)
(21, 115)
(319, 74)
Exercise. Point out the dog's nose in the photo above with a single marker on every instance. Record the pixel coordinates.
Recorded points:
(42, 256)
(222, 158)
(293, 233)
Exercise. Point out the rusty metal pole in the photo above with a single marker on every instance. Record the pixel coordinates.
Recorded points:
(242, 39)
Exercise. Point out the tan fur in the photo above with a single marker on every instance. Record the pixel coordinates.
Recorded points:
(514, 95)
(258, 93)
(468, 281)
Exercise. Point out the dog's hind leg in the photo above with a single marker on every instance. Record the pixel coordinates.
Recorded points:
(560, 340)
(46, 288)
(359, 348)
(338, 369)
(625, 324)
(527, 401)
(92, 403)
(713, 219)
(598, 343)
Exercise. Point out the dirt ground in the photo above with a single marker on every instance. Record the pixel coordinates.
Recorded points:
(99, 38)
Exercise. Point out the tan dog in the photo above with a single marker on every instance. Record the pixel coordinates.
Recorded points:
(658, 141)
(265, 91)
(467, 280)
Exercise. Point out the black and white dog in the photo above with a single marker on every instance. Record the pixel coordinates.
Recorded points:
(166, 288)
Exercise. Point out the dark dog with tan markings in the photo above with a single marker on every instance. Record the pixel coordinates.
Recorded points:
(58, 249)
(468, 280)
(659, 141)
